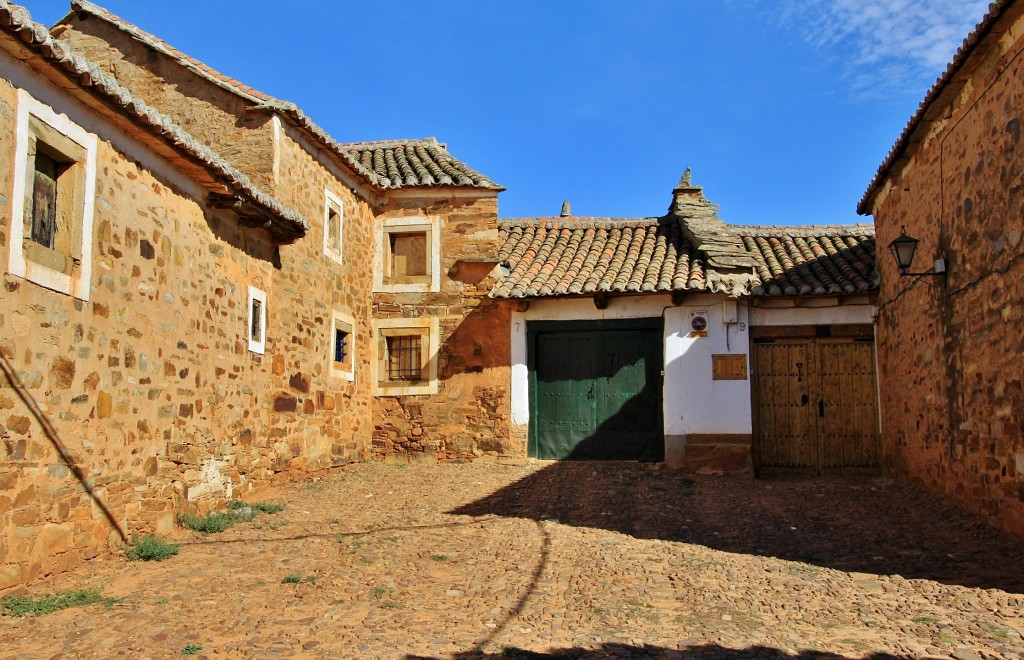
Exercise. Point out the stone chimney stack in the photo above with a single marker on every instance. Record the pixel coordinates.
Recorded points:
(688, 200)
(566, 210)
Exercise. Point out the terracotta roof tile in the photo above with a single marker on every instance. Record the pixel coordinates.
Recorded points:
(559, 256)
(423, 162)
(390, 170)
(287, 224)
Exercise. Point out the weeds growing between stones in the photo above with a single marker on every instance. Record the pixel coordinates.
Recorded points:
(27, 605)
(150, 548)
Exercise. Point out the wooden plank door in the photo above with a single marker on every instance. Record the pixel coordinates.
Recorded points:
(848, 406)
(816, 406)
(784, 413)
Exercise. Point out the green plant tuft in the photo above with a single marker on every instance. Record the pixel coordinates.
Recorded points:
(191, 649)
(25, 605)
(211, 523)
(264, 507)
(151, 548)
(292, 578)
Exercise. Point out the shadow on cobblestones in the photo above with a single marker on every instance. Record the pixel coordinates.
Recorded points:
(700, 652)
(863, 525)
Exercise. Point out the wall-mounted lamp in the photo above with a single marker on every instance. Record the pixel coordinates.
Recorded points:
(903, 249)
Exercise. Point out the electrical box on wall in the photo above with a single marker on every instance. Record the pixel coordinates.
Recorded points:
(730, 312)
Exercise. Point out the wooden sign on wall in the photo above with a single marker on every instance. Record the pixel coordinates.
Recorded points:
(729, 367)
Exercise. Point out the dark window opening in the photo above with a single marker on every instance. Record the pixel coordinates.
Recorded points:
(44, 200)
(405, 358)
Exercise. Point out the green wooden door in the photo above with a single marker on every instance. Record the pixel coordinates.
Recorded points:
(595, 390)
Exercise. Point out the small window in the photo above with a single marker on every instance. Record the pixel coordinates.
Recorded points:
(342, 346)
(54, 184)
(408, 256)
(406, 356)
(257, 320)
(333, 226)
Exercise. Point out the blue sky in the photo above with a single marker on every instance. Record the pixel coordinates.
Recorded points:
(784, 109)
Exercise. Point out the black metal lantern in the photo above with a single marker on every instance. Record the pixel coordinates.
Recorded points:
(903, 249)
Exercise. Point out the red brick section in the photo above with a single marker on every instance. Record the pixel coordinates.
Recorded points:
(952, 391)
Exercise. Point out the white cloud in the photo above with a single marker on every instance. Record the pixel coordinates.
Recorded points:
(889, 45)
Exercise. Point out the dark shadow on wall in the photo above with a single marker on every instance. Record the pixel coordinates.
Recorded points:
(863, 525)
(51, 433)
(696, 652)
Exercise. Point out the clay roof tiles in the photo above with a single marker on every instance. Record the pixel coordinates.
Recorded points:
(556, 256)
(16, 20)
(351, 154)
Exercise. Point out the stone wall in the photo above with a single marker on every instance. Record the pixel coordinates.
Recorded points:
(323, 420)
(148, 388)
(221, 119)
(958, 348)
(469, 417)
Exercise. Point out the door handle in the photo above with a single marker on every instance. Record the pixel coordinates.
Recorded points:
(590, 394)
(804, 399)
(821, 407)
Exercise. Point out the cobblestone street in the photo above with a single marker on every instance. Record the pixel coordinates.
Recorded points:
(570, 559)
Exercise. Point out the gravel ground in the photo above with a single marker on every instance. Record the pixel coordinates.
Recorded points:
(587, 560)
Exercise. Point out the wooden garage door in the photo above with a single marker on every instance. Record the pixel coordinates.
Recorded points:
(816, 405)
(595, 390)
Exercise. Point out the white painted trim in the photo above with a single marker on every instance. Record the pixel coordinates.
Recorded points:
(275, 125)
(836, 315)
(348, 320)
(431, 224)
(331, 199)
(79, 284)
(433, 328)
(261, 345)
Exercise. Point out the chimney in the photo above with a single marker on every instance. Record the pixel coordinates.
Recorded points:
(688, 200)
(566, 210)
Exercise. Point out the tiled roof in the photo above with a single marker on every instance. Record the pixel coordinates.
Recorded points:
(906, 142)
(286, 224)
(559, 256)
(416, 163)
(350, 154)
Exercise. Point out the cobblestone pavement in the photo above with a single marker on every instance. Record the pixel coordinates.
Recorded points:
(586, 560)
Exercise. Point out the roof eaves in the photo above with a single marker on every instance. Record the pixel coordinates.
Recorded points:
(905, 140)
(18, 21)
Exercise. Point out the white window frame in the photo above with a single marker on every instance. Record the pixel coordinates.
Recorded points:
(334, 201)
(348, 324)
(78, 282)
(421, 326)
(388, 226)
(257, 344)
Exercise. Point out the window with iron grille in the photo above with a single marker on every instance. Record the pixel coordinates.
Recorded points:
(405, 358)
(341, 345)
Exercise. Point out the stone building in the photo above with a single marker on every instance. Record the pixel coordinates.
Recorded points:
(203, 288)
(953, 181)
(684, 339)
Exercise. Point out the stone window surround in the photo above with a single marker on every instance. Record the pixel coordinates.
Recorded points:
(346, 323)
(427, 329)
(430, 226)
(20, 262)
(257, 344)
(333, 201)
